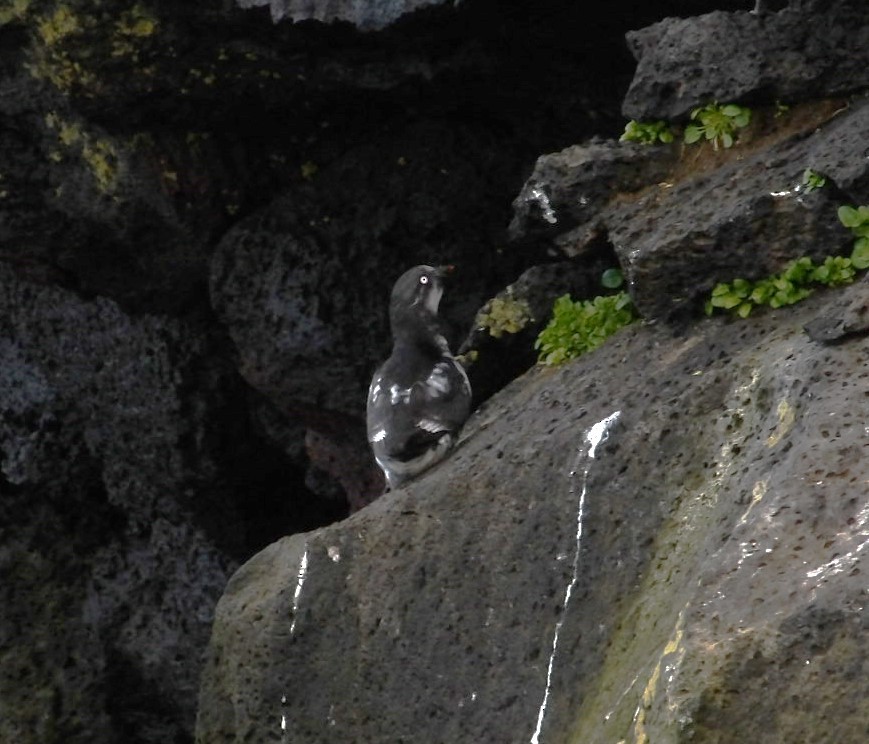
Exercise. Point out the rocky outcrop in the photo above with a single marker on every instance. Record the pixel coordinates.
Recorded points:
(808, 50)
(106, 569)
(660, 541)
(194, 204)
(706, 217)
(149, 439)
(668, 552)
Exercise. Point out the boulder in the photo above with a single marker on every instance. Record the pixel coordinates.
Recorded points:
(671, 551)
(808, 50)
(124, 510)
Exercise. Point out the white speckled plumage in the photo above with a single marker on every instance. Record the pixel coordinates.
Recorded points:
(420, 397)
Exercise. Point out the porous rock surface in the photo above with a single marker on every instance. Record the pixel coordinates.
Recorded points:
(132, 481)
(150, 437)
(104, 566)
(745, 214)
(809, 49)
(671, 551)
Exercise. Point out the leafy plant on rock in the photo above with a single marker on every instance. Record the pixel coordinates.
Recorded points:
(717, 124)
(578, 327)
(741, 296)
(647, 132)
(857, 219)
(813, 180)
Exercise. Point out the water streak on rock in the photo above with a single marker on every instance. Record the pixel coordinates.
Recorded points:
(303, 574)
(595, 436)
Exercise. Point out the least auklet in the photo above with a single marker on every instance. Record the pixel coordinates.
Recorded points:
(419, 397)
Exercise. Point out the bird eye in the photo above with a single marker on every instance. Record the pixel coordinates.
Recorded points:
(423, 279)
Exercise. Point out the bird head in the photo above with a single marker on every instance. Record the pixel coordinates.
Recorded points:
(416, 295)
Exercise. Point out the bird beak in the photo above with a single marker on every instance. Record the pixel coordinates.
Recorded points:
(444, 271)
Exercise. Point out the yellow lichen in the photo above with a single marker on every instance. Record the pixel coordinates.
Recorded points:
(15, 11)
(58, 25)
(786, 418)
(102, 160)
(504, 315)
(99, 154)
(69, 134)
(137, 22)
(51, 60)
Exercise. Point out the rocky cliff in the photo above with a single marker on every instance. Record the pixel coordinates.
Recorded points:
(659, 542)
(666, 551)
(201, 213)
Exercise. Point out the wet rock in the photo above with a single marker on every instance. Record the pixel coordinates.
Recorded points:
(807, 50)
(678, 529)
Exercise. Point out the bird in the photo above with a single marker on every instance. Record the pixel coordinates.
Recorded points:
(420, 397)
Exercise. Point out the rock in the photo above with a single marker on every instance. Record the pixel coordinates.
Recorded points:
(567, 190)
(676, 532)
(843, 317)
(366, 16)
(675, 244)
(122, 513)
(303, 286)
(745, 215)
(747, 218)
(807, 50)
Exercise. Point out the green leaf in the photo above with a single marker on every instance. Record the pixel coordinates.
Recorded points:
(821, 274)
(744, 310)
(860, 254)
(727, 140)
(743, 118)
(693, 133)
(732, 110)
(726, 301)
(849, 216)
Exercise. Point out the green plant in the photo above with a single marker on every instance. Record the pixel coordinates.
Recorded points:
(717, 123)
(813, 180)
(792, 285)
(647, 132)
(577, 327)
(857, 219)
(502, 315)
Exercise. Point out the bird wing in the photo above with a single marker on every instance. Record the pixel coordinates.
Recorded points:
(403, 422)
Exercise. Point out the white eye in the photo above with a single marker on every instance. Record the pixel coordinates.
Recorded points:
(423, 279)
